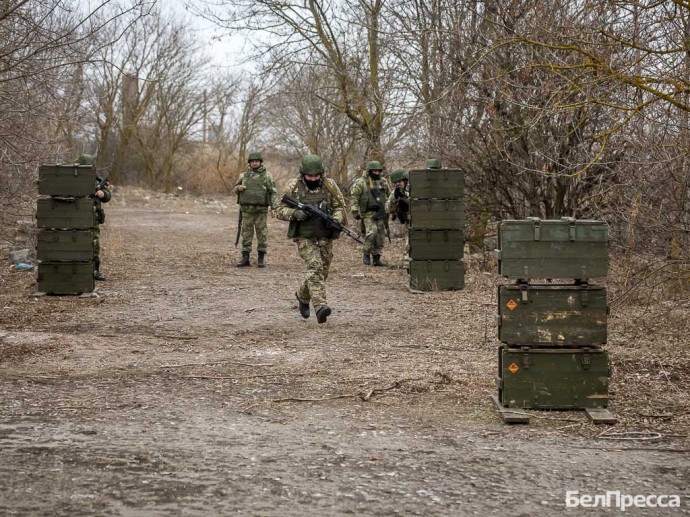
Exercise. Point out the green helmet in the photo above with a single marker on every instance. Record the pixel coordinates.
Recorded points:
(433, 163)
(374, 166)
(255, 156)
(85, 159)
(398, 174)
(311, 165)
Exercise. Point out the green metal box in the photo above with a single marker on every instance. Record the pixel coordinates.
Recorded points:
(436, 275)
(66, 180)
(65, 213)
(564, 248)
(64, 245)
(552, 315)
(65, 277)
(437, 214)
(436, 244)
(437, 183)
(553, 378)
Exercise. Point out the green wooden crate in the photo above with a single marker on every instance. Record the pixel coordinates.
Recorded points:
(64, 245)
(437, 183)
(66, 180)
(437, 214)
(436, 244)
(436, 275)
(552, 315)
(564, 248)
(65, 277)
(553, 378)
(65, 213)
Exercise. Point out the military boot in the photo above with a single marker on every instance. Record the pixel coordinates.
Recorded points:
(97, 275)
(377, 260)
(303, 307)
(260, 261)
(245, 260)
(366, 260)
(323, 313)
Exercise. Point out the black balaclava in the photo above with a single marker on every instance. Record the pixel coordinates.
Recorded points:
(312, 184)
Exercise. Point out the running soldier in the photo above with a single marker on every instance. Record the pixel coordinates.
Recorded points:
(314, 238)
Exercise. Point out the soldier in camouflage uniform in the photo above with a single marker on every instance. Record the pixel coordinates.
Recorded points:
(398, 206)
(102, 195)
(398, 202)
(314, 239)
(367, 203)
(256, 192)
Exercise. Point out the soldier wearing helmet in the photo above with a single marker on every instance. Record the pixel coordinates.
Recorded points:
(313, 237)
(433, 163)
(101, 195)
(256, 192)
(368, 203)
(398, 202)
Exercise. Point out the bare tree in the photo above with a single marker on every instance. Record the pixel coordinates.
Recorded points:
(342, 38)
(44, 47)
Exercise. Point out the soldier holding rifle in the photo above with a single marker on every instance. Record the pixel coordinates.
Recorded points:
(306, 200)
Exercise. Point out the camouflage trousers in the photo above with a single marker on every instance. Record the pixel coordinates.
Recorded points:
(97, 243)
(317, 255)
(254, 219)
(374, 235)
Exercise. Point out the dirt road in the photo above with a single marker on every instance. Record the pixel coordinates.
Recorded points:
(191, 387)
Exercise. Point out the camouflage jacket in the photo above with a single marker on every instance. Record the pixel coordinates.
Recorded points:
(336, 200)
(367, 196)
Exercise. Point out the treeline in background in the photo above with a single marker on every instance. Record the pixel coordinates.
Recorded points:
(551, 108)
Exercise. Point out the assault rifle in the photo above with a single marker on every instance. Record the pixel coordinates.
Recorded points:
(102, 182)
(315, 212)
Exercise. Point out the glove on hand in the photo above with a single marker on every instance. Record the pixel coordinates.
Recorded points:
(398, 193)
(300, 215)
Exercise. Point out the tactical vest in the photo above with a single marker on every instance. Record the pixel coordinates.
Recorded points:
(256, 192)
(372, 199)
(312, 228)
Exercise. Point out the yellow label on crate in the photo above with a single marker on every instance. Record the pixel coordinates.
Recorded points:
(511, 304)
(513, 368)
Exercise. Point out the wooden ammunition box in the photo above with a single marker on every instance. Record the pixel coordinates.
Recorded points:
(65, 213)
(437, 183)
(64, 245)
(65, 277)
(564, 248)
(436, 244)
(66, 180)
(552, 315)
(437, 214)
(436, 275)
(548, 378)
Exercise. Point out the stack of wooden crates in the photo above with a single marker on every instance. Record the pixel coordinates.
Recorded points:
(552, 322)
(65, 218)
(436, 232)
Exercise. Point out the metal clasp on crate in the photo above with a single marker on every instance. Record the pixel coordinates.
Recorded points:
(536, 226)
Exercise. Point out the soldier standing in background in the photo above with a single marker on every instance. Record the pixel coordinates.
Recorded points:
(398, 206)
(313, 237)
(256, 192)
(433, 163)
(368, 204)
(398, 202)
(102, 195)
